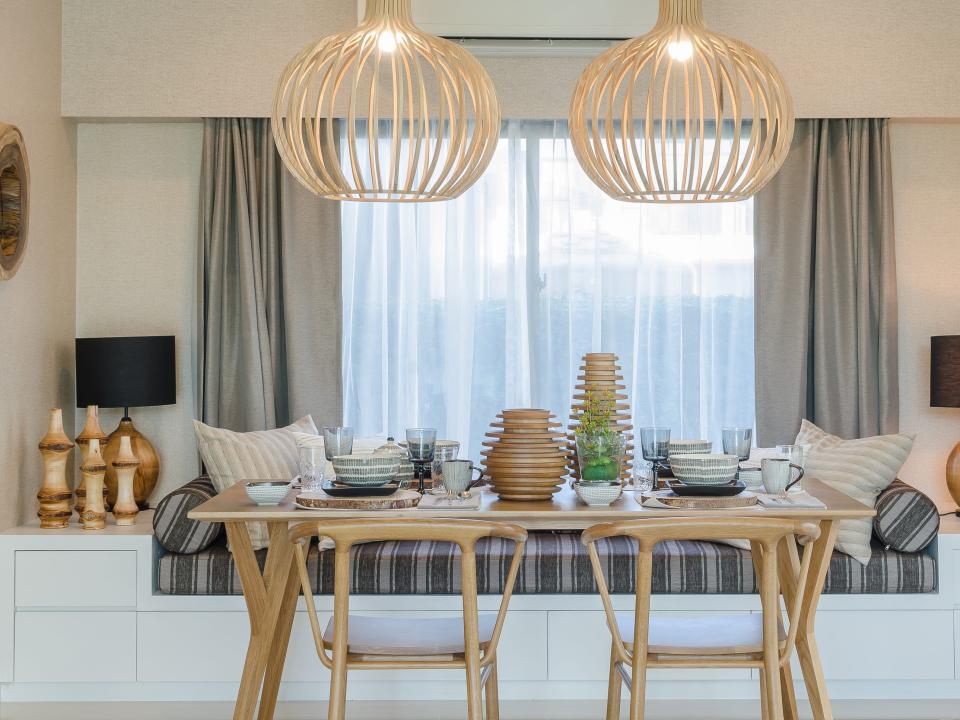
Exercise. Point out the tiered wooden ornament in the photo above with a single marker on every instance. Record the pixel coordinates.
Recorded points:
(125, 467)
(91, 431)
(598, 373)
(524, 455)
(94, 515)
(55, 495)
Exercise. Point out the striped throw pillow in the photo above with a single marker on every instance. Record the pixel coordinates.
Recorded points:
(907, 520)
(861, 469)
(230, 457)
(174, 530)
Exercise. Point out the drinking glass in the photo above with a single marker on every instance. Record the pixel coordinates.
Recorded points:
(642, 476)
(313, 463)
(793, 453)
(443, 450)
(337, 441)
(422, 445)
(655, 446)
(738, 441)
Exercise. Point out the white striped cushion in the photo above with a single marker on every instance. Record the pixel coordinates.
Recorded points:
(230, 457)
(861, 469)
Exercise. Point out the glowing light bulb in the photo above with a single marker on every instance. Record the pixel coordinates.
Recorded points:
(388, 41)
(680, 50)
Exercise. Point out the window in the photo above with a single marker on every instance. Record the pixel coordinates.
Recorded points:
(454, 311)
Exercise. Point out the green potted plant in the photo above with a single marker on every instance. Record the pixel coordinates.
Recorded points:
(599, 447)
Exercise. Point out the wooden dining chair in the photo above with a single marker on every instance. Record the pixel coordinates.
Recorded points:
(744, 641)
(354, 642)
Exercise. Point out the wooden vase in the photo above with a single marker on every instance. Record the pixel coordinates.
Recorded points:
(953, 474)
(145, 478)
(125, 467)
(91, 431)
(600, 372)
(93, 470)
(55, 495)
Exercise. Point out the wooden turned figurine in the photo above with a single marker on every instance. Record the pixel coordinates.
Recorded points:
(125, 467)
(55, 495)
(91, 431)
(93, 469)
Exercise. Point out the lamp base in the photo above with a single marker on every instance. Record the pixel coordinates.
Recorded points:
(145, 479)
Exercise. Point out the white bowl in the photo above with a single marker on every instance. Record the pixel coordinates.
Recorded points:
(598, 494)
(267, 492)
(705, 469)
(366, 469)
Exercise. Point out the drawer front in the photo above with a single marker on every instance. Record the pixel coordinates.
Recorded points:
(76, 578)
(66, 647)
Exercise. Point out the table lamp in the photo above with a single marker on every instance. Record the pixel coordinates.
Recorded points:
(127, 372)
(945, 392)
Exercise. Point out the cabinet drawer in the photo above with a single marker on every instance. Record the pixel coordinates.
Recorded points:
(76, 578)
(52, 646)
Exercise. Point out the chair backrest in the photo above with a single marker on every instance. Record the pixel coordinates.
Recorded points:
(764, 533)
(463, 533)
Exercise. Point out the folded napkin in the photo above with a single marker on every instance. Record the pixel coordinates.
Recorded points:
(442, 502)
(794, 499)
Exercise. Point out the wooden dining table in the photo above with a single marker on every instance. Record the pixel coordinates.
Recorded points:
(271, 594)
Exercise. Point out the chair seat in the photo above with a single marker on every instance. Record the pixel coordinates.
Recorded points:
(419, 637)
(716, 635)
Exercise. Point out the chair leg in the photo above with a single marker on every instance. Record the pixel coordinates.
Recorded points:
(789, 693)
(337, 708)
(493, 694)
(764, 710)
(770, 601)
(638, 686)
(614, 686)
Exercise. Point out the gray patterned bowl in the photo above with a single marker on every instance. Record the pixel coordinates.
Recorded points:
(267, 492)
(690, 447)
(366, 469)
(704, 469)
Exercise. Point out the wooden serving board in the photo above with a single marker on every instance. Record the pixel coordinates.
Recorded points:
(398, 501)
(668, 497)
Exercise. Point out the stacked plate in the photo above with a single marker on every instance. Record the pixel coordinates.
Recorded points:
(524, 455)
(600, 372)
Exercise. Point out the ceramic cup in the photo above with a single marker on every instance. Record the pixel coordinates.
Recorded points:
(776, 473)
(458, 476)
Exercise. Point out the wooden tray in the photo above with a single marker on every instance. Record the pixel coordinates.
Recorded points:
(668, 497)
(398, 501)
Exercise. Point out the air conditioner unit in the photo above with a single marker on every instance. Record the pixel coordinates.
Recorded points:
(534, 27)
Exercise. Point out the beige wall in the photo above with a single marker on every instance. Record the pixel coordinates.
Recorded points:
(36, 305)
(136, 260)
(926, 175)
(195, 58)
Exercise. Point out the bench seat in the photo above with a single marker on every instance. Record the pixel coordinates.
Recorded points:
(554, 563)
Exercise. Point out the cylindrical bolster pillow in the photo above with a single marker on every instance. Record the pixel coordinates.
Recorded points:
(906, 520)
(174, 530)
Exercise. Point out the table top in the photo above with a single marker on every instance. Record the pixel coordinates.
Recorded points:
(563, 512)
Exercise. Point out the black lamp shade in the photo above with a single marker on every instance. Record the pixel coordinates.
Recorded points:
(126, 372)
(945, 371)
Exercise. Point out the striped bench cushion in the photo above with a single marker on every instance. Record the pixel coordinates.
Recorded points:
(554, 563)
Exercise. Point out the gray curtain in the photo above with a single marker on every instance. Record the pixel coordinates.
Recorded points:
(269, 286)
(826, 290)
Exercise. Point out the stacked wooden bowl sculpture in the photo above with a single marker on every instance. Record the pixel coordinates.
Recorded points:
(524, 455)
(599, 373)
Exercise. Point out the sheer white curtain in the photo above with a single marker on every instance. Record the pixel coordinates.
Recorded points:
(454, 311)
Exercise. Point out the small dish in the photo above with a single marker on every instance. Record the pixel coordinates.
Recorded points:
(267, 492)
(598, 494)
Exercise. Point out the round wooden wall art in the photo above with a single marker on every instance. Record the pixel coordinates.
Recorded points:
(14, 200)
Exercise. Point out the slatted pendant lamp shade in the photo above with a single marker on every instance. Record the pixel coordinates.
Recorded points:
(421, 116)
(681, 114)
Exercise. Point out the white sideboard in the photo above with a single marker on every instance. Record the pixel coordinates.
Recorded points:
(79, 620)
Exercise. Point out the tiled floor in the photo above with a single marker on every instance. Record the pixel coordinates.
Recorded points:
(510, 710)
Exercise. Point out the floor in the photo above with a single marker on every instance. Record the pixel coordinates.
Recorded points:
(657, 710)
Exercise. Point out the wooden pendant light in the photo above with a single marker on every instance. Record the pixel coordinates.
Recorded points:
(421, 115)
(681, 114)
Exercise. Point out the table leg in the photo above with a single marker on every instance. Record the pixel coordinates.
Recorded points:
(264, 595)
(807, 652)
